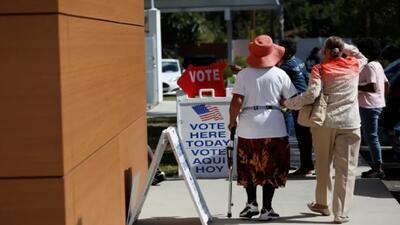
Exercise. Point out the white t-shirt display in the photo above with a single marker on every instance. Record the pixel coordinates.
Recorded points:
(262, 87)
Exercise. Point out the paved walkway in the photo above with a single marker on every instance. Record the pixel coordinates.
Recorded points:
(164, 109)
(170, 202)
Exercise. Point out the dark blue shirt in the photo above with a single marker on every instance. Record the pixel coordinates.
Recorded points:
(297, 72)
(311, 61)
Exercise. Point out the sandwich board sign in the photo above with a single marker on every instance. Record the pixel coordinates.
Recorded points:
(170, 136)
(203, 128)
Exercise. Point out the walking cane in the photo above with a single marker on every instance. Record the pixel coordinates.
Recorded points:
(229, 153)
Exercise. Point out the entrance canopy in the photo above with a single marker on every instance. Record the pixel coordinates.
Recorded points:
(212, 5)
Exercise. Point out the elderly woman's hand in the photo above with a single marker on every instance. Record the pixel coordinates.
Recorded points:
(282, 101)
(235, 68)
(294, 103)
(232, 125)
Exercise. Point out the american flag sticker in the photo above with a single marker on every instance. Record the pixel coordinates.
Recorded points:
(207, 112)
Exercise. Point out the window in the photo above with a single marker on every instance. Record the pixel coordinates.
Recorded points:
(169, 67)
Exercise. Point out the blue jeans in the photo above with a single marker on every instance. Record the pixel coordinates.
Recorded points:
(369, 126)
(289, 123)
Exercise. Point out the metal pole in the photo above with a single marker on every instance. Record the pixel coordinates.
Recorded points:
(228, 19)
(152, 4)
(281, 22)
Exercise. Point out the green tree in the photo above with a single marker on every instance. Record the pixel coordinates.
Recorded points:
(347, 18)
(191, 28)
(312, 18)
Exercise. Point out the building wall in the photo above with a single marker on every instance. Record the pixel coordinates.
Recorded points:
(73, 110)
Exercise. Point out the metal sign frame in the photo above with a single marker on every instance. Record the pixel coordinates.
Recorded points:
(170, 136)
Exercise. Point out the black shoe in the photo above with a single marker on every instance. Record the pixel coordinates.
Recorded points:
(366, 173)
(249, 211)
(302, 172)
(158, 177)
(268, 215)
(373, 174)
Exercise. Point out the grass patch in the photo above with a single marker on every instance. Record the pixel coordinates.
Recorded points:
(155, 126)
(169, 170)
(169, 97)
(161, 122)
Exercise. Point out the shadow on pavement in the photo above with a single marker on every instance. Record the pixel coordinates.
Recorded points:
(371, 188)
(168, 221)
(297, 177)
(296, 219)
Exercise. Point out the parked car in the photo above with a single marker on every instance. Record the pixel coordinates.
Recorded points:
(171, 71)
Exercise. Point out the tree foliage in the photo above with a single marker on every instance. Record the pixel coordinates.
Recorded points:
(191, 28)
(312, 18)
(347, 18)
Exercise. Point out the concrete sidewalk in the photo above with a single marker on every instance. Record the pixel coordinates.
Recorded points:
(163, 109)
(170, 202)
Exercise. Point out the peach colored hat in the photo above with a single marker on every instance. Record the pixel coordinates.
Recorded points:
(263, 52)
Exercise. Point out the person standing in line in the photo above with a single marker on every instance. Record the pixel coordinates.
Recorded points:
(337, 141)
(373, 85)
(299, 76)
(263, 152)
(313, 59)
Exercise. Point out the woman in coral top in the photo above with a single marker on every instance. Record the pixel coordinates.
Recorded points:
(337, 141)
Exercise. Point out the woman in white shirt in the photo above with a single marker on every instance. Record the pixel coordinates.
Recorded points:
(263, 148)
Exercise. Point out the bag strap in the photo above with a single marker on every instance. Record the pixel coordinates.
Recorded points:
(321, 74)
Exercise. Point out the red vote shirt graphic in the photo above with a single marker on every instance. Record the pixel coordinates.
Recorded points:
(203, 77)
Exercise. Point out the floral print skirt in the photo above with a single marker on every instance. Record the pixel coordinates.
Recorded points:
(262, 161)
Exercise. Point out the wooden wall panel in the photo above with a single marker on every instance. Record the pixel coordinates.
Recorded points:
(123, 11)
(90, 195)
(30, 115)
(102, 83)
(96, 188)
(24, 6)
(133, 146)
(32, 201)
(73, 102)
(133, 149)
(126, 11)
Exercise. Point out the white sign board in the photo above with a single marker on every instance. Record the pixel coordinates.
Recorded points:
(170, 135)
(203, 128)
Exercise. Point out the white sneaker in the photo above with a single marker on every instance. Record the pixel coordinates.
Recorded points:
(268, 215)
(250, 210)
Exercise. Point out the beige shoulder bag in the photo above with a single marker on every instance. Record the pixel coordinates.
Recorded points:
(314, 115)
